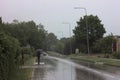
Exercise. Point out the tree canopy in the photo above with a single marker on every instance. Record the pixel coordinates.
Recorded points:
(9, 54)
(51, 40)
(28, 33)
(95, 31)
(104, 45)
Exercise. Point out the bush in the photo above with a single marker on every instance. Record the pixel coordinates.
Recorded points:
(104, 45)
(106, 56)
(9, 53)
(116, 55)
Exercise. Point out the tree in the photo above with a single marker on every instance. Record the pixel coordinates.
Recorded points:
(51, 40)
(64, 46)
(9, 55)
(0, 20)
(59, 47)
(67, 47)
(104, 45)
(28, 33)
(95, 32)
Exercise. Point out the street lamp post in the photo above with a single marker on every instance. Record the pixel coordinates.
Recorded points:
(69, 35)
(88, 50)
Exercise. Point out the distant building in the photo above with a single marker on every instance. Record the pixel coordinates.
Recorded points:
(116, 44)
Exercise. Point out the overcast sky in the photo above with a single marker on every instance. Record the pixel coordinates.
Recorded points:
(52, 13)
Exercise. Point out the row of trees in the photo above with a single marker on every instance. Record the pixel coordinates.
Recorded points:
(28, 33)
(35, 36)
(17, 39)
(97, 42)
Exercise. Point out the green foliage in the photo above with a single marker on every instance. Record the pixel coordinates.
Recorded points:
(68, 45)
(95, 31)
(9, 49)
(106, 56)
(50, 41)
(64, 45)
(116, 55)
(28, 33)
(0, 20)
(67, 48)
(59, 47)
(104, 45)
(9, 55)
(26, 50)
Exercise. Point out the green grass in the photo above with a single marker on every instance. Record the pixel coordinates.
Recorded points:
(25, 73)
(56, 54)
(105, 61)
(91, 58)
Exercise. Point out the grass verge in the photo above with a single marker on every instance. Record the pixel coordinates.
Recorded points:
(51, 53)
(91, 59)
(96, 60)
(25, 73)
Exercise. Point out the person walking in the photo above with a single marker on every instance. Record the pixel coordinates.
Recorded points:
(39, 52)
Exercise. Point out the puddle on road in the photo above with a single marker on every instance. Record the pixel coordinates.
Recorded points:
(110, 69)
(85, 75)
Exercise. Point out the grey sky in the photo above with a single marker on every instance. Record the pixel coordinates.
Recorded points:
(52, 13)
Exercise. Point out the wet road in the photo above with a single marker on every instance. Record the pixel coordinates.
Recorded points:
(61, 69)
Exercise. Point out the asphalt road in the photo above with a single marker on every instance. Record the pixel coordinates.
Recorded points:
(52, 68)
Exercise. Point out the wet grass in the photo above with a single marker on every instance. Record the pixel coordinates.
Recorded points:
(92, 59)
(97, 60)
(25, 73)
(51, 53)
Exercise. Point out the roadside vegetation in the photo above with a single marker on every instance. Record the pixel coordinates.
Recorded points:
(56, 54)
(95, 59)
(20, 39)
(98, 43)
(25, 73)
(101, 47)
(18, 42)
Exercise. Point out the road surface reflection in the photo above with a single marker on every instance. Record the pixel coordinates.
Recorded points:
(61, 69)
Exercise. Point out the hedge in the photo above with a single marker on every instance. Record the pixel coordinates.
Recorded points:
(9, 53)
